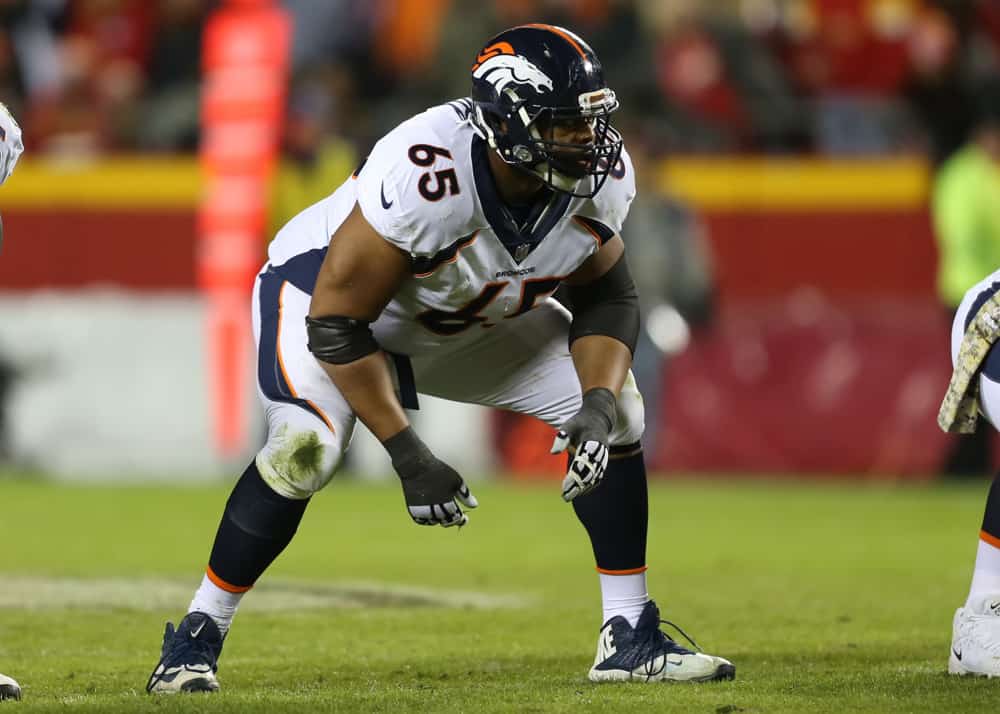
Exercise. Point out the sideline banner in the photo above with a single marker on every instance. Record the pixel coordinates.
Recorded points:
(245, 74)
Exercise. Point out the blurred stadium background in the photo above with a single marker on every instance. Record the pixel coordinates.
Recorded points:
(783, 238)
(796, 329)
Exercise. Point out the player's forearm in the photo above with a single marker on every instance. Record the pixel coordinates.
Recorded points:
(601, 361)
(367, 386)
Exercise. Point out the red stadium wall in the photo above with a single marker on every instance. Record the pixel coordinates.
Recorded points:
(828, 355)
(871, 254)
(123, 223)
(135, 248)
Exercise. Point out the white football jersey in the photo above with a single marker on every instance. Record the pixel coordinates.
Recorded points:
(11, 145)
(427, 188)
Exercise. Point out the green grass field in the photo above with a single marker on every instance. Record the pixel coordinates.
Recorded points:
(828, 598)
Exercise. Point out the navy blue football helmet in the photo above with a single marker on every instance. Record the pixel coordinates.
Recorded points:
(531, 79)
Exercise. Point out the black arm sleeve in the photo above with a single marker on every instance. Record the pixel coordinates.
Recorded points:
(607, 306)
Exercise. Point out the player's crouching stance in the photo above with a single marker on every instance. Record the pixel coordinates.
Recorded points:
(10, 149)
(974, 392)
(447, 245)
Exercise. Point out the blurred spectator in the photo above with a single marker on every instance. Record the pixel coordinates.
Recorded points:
(329, 31)
(339, 35)
(28, 49)
(110, 42)
(720, 87)
(171, 111)
(937, 91)
(670, 260)
(967, 227)
(834, 76)
(849, 46)
(315, 158)
(691, 73)
(102, 55)
(851, 56)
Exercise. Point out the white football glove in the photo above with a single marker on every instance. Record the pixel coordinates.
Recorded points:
(588, 431)
(11, 145)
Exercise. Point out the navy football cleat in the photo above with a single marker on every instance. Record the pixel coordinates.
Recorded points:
(189, 658)
(646, 654)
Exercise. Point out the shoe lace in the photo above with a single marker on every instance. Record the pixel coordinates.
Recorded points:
(651, 644)
(184, 649)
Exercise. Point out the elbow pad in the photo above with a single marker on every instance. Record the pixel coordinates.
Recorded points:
(339, 340)
(608, 306)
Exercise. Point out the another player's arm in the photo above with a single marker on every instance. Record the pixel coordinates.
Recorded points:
(602, 339)
(11, 147)
(360, 274)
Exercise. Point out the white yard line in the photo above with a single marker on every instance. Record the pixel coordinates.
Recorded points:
(44, 593)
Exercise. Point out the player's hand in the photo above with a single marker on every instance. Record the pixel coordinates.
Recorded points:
(10, 143)
(587, 433)
(432, 488)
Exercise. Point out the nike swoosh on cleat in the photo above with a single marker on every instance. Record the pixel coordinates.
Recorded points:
(958, 655)
(197, 631)
(385, 204)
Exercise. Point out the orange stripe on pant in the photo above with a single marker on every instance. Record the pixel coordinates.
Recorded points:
(991, 539)
(630, 571)
(220, 583)
(281, 361)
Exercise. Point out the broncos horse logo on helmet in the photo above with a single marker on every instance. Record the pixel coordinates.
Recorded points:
(501, 70)
(531, 77)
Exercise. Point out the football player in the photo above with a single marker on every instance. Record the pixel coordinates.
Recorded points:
(10, 149)
(974, 394)
(447, 244)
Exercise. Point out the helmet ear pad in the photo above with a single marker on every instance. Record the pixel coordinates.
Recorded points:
(512, 137)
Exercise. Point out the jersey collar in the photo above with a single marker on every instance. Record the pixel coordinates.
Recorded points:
(518, 243)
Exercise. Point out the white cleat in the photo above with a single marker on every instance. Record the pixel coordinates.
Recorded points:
(9, 688)
(645, 654)
(975, 639)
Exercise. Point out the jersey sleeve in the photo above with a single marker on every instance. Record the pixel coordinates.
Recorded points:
(606, 212)
(408, 190)
(378, 185)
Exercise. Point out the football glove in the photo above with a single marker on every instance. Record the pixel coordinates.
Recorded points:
(10, 143)
(587, 432)
(432, 488)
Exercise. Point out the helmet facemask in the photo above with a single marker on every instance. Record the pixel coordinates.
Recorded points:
(525, 136)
